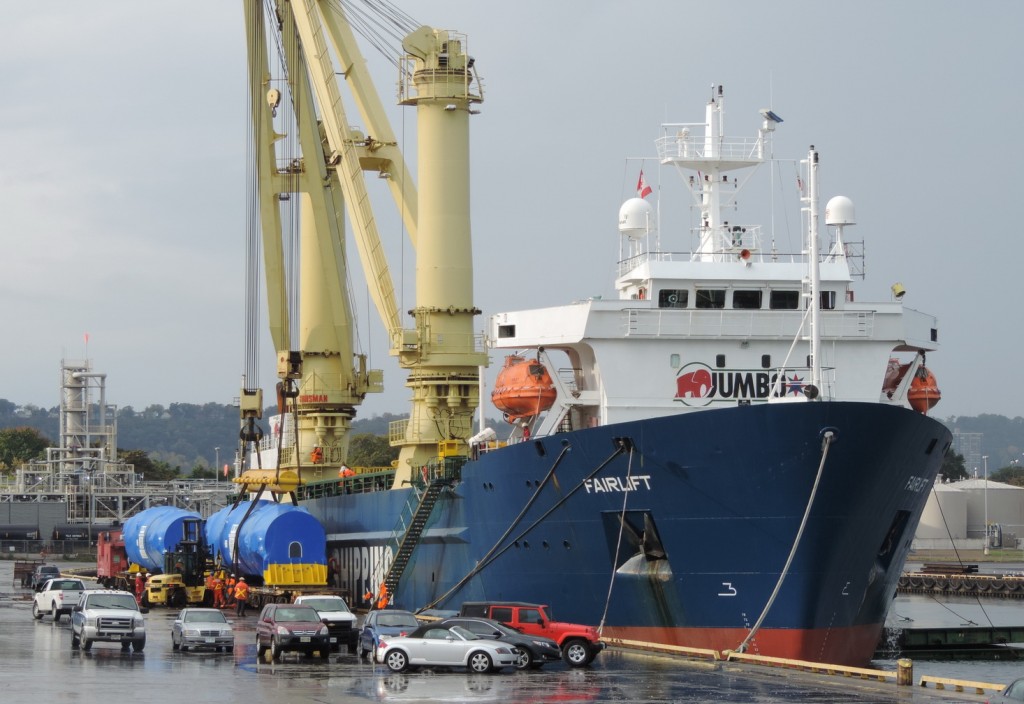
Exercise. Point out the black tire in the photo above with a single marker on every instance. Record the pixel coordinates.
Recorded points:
(480, 662)
(275, 650)
(55, 611)
(179, 599)
(174, 644)
(75, 642)
(363, 652)
(577, 652)
(144, 601)
(260, 648)
(325, 653)
(36, 613)
(86, 644)
(138, 645)
(184, 648)
(397, 660)
(525, 660)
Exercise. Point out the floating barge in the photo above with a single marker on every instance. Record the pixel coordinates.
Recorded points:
(955, 643)
(961, 580)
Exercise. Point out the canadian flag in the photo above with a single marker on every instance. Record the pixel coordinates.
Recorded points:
(642, 189)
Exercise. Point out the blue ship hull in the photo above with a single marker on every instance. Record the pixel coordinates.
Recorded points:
(676, 529)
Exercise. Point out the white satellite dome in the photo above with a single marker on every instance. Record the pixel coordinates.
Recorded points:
(839, 211)
(636, 218)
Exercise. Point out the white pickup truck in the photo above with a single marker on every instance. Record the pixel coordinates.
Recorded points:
(110, 616)
(341, 622)
(56, 597)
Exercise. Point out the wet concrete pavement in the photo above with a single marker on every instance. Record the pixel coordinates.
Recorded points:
(38, 664)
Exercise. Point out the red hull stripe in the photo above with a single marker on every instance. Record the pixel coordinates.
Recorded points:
(840, 646)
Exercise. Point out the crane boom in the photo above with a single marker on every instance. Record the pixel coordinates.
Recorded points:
(442, 352)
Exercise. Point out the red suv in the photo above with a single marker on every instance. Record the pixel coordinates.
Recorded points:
(290, 627)
(579, 644)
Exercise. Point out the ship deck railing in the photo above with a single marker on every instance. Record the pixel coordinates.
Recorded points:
(776, 324)
(365, 481)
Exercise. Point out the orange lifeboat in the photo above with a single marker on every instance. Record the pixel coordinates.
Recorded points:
(924, 391)
(523, 389)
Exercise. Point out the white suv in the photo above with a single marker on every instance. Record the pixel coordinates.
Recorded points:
(341, 622)
(110, 616)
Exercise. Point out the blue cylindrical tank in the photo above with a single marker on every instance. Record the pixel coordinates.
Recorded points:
(278, 543)
(149, 534)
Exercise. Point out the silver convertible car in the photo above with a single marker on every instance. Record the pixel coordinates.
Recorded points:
(444, 646)
(202, 628)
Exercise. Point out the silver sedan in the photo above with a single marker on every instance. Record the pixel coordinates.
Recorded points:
(202, 628)
(447, 646)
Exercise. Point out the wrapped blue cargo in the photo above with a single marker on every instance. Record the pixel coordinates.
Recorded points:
(151, 533)
(280, 544)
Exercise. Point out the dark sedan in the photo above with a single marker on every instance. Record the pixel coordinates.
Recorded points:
(533, 651)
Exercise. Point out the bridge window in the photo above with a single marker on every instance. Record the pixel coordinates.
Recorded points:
(828, 300)
(784, 300)
(295, 550)
(746, 299)
(673, 298)
(711, 298)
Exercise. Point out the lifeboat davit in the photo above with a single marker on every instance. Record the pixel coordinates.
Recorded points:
(923, 393)
(523, 389)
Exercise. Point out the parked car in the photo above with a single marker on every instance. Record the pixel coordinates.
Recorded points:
(107, 615)
(580, 644)
(533, 651)
(341, 622)
(1013, 692)
(388, 622)
(42, 573)
(56, 597)
(202, 628)
(451, 646)
(291, 627)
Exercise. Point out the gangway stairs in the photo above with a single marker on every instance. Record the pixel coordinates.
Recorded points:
(407, 540)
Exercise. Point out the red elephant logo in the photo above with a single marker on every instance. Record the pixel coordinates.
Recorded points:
(695, 384)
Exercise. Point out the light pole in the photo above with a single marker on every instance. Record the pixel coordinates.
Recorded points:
(216, 465)
(985, 460)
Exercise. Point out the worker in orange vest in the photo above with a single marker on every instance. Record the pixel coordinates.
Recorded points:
(229, 590)
(382, 600)
(218, 592)
(241, 596)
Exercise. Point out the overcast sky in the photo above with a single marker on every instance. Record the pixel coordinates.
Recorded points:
(122, 175)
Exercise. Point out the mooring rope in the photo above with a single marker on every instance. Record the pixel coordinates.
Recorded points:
(618, 545)
(829, 436)
(493, 554)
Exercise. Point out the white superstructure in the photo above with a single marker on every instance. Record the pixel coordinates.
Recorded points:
(727, 323)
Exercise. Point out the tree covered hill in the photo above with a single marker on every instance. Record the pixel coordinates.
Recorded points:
(186, 435)
(182, 434)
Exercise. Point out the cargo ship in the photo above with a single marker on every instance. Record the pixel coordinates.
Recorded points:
(730, 453)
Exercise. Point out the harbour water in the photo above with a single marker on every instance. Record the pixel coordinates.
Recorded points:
(921, 611)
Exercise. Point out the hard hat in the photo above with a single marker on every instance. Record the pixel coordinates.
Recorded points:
(241, 579)
(232, 574)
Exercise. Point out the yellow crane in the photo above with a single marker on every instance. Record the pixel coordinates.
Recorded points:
(323, 379)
